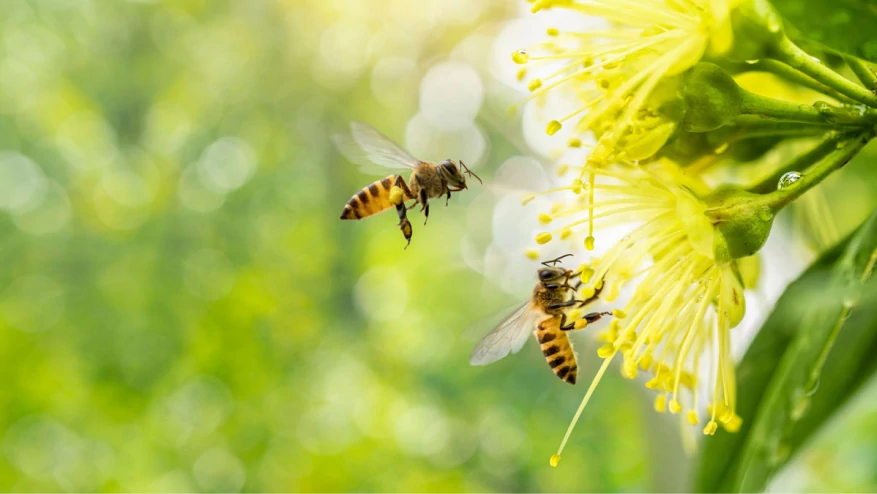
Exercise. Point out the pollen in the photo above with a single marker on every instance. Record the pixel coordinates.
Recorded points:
(692, 417)
(552, 31)
(555, 459)
(618, 313)
(543, 238)
(396, 195)
(710, 428)
(606, 351)
(660, 403)
(553, 126)
(574, 142)
(577, 186)
(628, 368)
(565, 233)
(534, 84)
(532, 254)
(545, 218)
(675, 406)
(575, 314)
(520, 57)
(522, 74)
(581, 324)
(589, 242)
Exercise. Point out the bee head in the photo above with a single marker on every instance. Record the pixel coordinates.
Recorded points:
(551, 274)
(454, 175)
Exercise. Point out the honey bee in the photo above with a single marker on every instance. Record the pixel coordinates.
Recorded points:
(428, 180)
(543, 314)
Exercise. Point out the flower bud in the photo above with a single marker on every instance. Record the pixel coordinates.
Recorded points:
(741, 221)
(712, 98)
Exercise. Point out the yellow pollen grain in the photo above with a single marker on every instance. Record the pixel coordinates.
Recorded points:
(628, 368)
(581, 324)
(545, 218)
(589, 242)
(653, 383)
(565, 233)
(574, 142)
(606, 351)
(587, 274)
(534, 84)
(710, 428)
(675, 406)
(660, 403)
(520, 57)
(543, 238)
(522, 74)
(618, 313)
(552, 31)
(692, 417)
(587, 293)
(553, 126)
(575, 314)
(555, 459)
(532, 254)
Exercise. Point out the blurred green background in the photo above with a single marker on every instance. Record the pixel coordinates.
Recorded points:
(182, 310)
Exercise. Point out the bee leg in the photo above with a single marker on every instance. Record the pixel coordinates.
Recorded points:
(426, 213)
(568, 303)
(448, 198)
(589, 318)
(404, 224)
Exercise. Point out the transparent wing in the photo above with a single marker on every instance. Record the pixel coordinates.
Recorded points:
(367, 143)
(508, 336)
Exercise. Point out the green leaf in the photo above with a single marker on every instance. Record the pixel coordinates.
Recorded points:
(846, 26)
(822, 330)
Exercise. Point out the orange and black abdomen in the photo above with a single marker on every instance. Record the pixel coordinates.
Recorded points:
(557, 349)
(370, 200)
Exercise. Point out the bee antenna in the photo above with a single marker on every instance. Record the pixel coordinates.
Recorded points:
(470, 172)
(555, 260)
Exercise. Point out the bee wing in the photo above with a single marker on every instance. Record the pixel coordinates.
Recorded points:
(507, 337)
(366, 143)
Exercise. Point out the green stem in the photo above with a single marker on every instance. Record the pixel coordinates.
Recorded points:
(789, 53)
(802, 162)
(750, 126)
(817, 113)
(863, 72)
(816, 173)
(789, 74)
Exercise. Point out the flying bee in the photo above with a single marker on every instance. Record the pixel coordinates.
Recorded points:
(428, 180)
(544, 314)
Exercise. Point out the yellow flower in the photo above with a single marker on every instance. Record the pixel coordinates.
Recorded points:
(622, 75)
(685, 302)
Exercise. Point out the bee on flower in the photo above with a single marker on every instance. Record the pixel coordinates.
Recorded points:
(688, 295)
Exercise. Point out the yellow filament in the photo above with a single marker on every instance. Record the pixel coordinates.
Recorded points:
(585, 400)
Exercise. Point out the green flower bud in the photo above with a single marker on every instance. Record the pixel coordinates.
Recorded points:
(712, 98)
(757, 27)
(742, 223)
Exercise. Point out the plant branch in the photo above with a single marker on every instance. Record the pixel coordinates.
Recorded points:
(863, 72)
(817, 113)
(802, 162)
(789, 53)
(816, 172)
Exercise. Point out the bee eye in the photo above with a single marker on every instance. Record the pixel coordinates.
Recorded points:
(545, 274)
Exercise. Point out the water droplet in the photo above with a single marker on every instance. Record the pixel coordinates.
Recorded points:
(812, 387)
(828, 112)
(765, 214)
(788, 179)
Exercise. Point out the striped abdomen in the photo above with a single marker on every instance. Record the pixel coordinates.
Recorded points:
(370, 200)
(557, 349)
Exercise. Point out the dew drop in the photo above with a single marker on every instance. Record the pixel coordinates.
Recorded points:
(765, 214)
(813, 386)
(788, 179)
